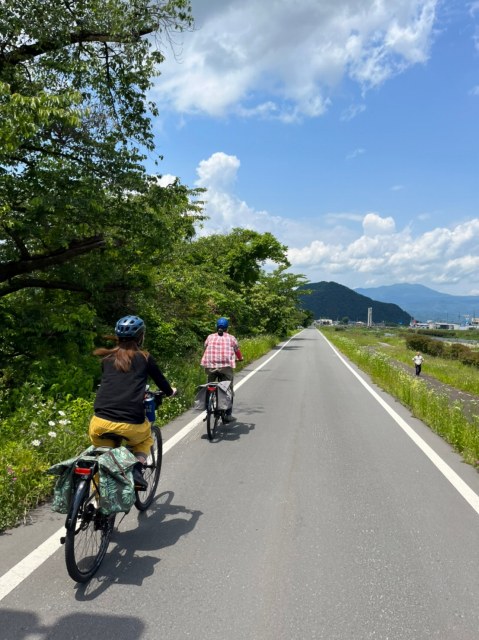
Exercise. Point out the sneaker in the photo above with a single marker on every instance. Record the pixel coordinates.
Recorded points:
(229, 419)
(138, 479)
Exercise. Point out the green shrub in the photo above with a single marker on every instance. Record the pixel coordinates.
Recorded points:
(471, 358)
(23, 483)
(457, 351)
(425, 345)
(436, 348)
(417, 342)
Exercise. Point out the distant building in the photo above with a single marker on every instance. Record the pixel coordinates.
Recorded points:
(327, 321)
(448, 326)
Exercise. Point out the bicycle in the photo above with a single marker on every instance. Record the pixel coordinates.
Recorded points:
(88, 530)
(213, 414)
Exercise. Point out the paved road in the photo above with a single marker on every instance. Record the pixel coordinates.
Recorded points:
(315, 516)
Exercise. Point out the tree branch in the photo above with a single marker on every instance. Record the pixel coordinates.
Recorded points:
(22, 249)
(76, 248)
(37, 283)
(35, 49)
(17, 284)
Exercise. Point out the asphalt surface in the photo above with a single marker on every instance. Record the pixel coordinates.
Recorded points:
(314, 516)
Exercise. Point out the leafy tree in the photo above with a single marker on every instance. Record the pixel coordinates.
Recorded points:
(274, 303)
(50, 331)
(308, 318)
(240, 255)
(82, 227)
(73, 115)
(224, 274)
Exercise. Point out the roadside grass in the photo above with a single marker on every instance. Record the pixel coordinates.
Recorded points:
(43, 431)
(375, 353)
(392, 343)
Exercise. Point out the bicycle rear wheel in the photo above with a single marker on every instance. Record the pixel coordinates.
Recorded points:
(212, 417)
(152, 471)
(88, 534)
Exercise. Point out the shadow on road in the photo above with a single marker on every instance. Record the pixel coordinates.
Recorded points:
(230, 432)
(162, 525)
(23, 625)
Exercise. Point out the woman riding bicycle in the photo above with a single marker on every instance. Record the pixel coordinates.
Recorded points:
(119, 404)
(219, 358)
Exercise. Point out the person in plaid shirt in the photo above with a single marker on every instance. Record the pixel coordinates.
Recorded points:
(219, 359)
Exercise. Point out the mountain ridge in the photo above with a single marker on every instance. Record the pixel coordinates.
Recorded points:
(424, 303)
(336, 301)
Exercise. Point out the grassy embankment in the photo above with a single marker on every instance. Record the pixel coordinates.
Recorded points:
(44, 431)
(378, 352)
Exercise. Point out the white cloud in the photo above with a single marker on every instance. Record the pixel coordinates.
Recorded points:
(443, 256)
(353, 249)
(352, 111)
(373, 225)
(218, 172)
(473, 8)
(225, 211)
(243, 51)
(166, 180)
(355, 154)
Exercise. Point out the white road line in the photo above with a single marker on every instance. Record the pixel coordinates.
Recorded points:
(457, 482)
(38, 556)
(25, 567)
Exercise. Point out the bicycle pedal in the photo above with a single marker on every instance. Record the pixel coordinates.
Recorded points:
(62, 540)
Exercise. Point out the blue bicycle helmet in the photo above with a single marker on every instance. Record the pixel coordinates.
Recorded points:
(222, 323)
(129, 327)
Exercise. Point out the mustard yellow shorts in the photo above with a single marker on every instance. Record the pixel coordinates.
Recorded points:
(138, 435)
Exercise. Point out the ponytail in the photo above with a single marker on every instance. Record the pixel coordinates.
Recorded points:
(122, 355)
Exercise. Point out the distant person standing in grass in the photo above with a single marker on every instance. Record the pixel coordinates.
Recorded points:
(418, 360)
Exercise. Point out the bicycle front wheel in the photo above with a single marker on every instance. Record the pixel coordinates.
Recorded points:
(88, 534)
(152, 471)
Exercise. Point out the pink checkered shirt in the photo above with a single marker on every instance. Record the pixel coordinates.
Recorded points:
(219, 351)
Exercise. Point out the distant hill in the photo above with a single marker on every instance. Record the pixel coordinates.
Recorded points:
(426, 304)
(335, 301)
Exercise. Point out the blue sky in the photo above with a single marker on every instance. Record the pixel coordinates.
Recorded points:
(347, 128)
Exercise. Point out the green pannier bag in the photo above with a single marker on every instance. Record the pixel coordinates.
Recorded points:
(117, 488)
(62, 492)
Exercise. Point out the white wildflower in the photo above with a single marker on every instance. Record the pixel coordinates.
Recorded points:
(52, 434)
(61, 413)
(64, 422)
(51, 423)
(36, 443)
